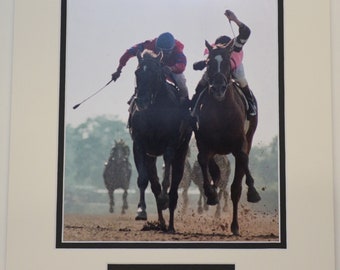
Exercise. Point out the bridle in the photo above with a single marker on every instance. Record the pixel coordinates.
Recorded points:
(151, 67)
(219, 77)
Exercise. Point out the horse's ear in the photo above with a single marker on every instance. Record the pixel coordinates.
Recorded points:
(209, 47)
(115, 141)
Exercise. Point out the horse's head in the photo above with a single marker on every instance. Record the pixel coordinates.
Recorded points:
(149, 76)
(120, 152)
(218, 69)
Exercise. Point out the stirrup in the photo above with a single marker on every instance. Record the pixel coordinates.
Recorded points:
(252, 110)
(251, 113)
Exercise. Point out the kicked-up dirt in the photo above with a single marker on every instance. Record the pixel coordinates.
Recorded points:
(255, 226)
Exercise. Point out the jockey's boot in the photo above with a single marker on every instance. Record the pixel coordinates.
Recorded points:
(132, 98)
(186, 116)
(196, 97)
(252, 111)
(195, 102)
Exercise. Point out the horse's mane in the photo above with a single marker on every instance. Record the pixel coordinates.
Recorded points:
(149, 54)
(220, 46)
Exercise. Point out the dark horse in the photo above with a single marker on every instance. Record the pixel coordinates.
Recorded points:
(157, 129)
(117, 173)
(223, 129)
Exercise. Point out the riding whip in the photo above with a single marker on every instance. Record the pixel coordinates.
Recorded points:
(232, 29)
(77, 105)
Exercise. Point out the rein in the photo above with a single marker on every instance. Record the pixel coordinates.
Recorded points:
(225, 79)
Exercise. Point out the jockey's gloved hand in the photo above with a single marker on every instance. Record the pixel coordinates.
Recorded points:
(200, 65)
(116, 75)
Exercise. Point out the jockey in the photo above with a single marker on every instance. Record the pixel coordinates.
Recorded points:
(173, 59)
(236, 65)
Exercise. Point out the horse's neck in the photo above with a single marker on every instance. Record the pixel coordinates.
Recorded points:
(231, 100)
(167, 96)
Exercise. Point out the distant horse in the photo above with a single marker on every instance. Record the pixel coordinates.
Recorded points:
(117, 173)
(223, 129)
(158, 128)
(185, 184)
(223, 162)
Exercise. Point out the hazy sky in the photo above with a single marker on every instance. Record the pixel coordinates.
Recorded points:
(99, 32)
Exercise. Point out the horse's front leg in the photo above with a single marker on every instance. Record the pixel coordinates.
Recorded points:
(142, 181)
(252, 195)
(177, 175)
(125, 203)
(164, 197)
(156, 188)
(241, 160)
(215, 172)
(168, 157)
(209, 190)
(112, 202)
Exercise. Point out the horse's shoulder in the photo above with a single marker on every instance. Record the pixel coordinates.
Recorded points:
(172, 92)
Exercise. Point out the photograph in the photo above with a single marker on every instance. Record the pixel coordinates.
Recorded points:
(171, 125)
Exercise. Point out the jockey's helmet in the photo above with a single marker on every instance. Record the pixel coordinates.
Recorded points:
(222, 40)
(165, 42)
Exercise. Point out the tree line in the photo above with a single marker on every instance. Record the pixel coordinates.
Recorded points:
(88, 145)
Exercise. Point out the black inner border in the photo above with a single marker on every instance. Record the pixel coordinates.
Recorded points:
(244, 245)
(171, 266)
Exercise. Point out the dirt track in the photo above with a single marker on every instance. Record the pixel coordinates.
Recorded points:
(190, 226)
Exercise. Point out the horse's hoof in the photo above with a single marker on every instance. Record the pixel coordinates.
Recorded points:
(111, 210)
(212, 200)
(253, 196)
(211, 194)
(163, 227)
(200, 210)
(171, 230)
(163, 202)
(141, 214)
(235, 229)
